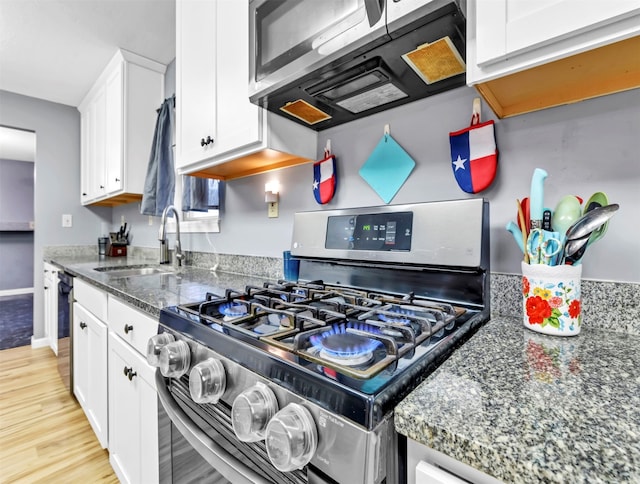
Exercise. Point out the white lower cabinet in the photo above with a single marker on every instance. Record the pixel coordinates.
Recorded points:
(113, 381)
(90, 368)
(133, 405)
(50, 279)
(133, 414)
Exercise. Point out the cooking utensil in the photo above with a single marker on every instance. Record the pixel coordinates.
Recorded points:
(523, 226)
(574, 250)
(591, 221)
(598, 199)
(517, 234)
(543, 246)
(567, 212)
(536, 198)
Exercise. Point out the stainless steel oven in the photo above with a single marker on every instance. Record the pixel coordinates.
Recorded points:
(296, 382)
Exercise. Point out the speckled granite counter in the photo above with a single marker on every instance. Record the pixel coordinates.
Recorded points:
(152, 292)
(520, 406)
(525, 407)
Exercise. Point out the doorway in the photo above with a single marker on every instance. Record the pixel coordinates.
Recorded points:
(17, 163)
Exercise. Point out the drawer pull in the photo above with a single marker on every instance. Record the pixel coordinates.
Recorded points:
(129, 373)
(127, 328)
(83, 325)
(205, 142)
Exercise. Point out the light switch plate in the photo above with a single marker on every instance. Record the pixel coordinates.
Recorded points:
(272, 209)
(67, 220)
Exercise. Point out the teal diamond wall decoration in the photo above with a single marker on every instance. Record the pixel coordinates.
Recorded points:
(387, 168)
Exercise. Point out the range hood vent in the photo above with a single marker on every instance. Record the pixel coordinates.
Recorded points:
(420, 58)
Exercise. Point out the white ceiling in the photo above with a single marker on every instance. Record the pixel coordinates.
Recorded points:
(56, 49)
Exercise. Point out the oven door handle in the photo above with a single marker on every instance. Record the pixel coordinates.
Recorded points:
(231, 468)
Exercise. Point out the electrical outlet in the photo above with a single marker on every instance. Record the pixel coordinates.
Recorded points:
(272, 209)
(67, 220)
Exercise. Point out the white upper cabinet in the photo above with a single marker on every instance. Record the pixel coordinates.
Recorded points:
(117, 126)
(196, 82)
(551, 52)
(219, 133)
(505, 28)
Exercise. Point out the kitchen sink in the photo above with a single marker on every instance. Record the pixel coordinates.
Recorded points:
(128, 271)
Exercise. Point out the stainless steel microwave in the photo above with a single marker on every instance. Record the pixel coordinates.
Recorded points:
(326, 62)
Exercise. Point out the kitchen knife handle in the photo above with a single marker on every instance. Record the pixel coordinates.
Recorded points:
(536, 199)
(546, 219)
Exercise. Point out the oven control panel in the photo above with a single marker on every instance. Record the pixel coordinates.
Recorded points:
(370, 231)
(428, 233)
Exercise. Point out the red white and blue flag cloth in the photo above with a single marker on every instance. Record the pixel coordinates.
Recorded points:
(324, 179)
(474, 156)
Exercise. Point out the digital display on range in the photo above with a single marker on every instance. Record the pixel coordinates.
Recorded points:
(376, 231)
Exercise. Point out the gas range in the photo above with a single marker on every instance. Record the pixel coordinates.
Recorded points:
(385, 294)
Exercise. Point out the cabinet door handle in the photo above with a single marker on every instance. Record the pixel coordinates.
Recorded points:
(84, 194)
(205, 142)
(117, 179)
(46, 287)
(131, 374)
(83, 325)
(127, 371)
(101, 186)
(127, 328)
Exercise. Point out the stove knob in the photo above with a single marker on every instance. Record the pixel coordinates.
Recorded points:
(292, 438)
(251, 412)
(207, 381)
(155, 344)
(175, 359)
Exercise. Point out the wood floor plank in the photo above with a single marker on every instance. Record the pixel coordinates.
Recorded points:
(44, 434)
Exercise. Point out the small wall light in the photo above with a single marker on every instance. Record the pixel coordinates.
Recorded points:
(271, 190)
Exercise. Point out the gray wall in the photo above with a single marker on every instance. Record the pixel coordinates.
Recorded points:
(16, 260)
(57, 188)
(16, 211)
(585, 147)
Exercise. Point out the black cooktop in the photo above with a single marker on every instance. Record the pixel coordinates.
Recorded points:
(352, 352)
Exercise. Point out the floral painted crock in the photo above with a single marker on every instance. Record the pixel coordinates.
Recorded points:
(551, 298)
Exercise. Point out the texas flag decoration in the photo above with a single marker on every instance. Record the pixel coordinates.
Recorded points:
(474, 156)
(324, 179)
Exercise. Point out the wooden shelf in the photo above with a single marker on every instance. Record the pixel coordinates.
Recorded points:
(260, 162)
(116, 200)
(605, 70)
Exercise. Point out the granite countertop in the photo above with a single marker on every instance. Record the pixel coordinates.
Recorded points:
(518, 405)
(152, 292)
(526, 407)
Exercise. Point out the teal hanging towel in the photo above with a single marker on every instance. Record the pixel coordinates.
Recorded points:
(387, 168)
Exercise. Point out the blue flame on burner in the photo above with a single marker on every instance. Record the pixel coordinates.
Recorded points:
(398, 320)
(366, 346)
(233, 309)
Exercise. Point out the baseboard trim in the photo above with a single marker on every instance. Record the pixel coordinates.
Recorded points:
(39, 342)
(16, 292)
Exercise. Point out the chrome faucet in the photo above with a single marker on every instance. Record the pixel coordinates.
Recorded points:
(164, 249)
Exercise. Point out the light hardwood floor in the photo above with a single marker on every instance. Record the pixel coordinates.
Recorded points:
(44, 434)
